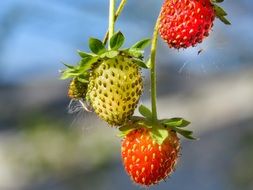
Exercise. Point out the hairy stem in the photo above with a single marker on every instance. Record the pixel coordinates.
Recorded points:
(111, 18)
(153, 69)
(118, 12)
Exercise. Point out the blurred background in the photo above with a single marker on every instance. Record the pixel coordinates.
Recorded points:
(42, 147)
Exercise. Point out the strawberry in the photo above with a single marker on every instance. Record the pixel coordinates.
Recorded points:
(184, 23)
(115, 88)
(110, 79)
(146, 161)
(77, 89)
(150, 147)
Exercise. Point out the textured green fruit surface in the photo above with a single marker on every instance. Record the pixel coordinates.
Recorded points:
(115, 88)
(77, 89)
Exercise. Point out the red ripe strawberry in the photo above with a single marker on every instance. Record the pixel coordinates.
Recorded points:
(145, 160)
(185, 23)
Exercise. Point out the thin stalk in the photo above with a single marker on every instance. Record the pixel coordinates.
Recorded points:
(153, 69)
(111, 18)
(116, 16)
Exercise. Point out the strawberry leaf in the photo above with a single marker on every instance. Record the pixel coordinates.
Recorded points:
(86, 64)
(110, 54)
(140, 64)
(117, 40)
(96, 46)
(148, 63)
(144, 111)
(141, 45)
(125, 130)
(137, 53)
(159, 134)
(175, 122)
(220, 13)
(68, 66)
(84, 54)
(69, 73)
(217, 1)
(186, 133)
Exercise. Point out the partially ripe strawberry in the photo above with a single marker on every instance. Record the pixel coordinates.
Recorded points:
(146, 161)
(114, 89)
(185, 23)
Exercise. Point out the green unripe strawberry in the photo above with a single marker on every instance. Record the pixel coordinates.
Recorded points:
(114, 89)
(77, 89)
(112, 78)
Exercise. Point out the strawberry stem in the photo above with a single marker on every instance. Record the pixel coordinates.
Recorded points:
(118, 12)
(153, 69)
(111, 18)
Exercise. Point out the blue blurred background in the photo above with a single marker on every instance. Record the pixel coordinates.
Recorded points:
(43, 147)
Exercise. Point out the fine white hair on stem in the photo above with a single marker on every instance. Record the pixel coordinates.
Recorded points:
(79, 108)
(78, 105)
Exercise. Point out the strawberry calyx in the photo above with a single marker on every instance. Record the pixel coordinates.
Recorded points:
(159, 129)
(220, 13)
(99, 53)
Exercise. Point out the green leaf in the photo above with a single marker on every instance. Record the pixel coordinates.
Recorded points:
(144, 111)
(224, 20)
(84, 61)
(84, 54)
(68, 66)
(220, 13)
(186, 133)
(140, 64)
(125, 130)
(117, 40)
(159, 134)
(96, 46)
(69, 74)
(83, 79)
(217, 1)
(86, 64)
(141, 45)
(110, 54)
(148, 63)
(175, 122)
(137, 53)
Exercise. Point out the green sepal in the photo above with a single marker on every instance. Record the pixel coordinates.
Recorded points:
(96, 46)
(117, 40)
(68, 66)
(145, 112)
(86, 64)
(141, 45)
(125, 130)
(83, 54)
(148, 63)
(175, 122)
(217, 1)
(185, 133)
(159, 134)
(83, 79)
(110, 54)
(140, 64)
(220, 13)
(137, 53)
(69, 73)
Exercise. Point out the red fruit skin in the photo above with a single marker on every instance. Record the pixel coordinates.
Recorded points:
(145, 160)
(184, 23)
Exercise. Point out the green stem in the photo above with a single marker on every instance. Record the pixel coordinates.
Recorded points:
(153, 69)
(118, 12)
(111, 18)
